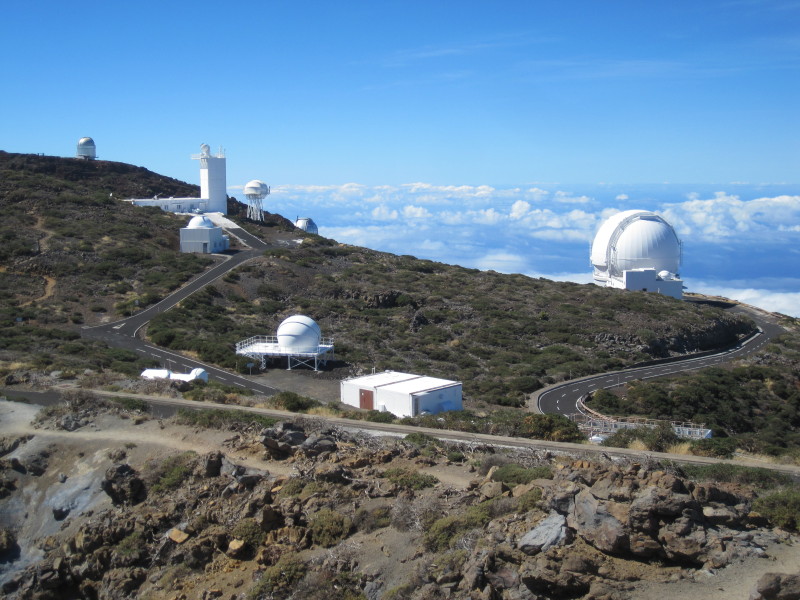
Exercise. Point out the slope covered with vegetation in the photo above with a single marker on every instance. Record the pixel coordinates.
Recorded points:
(75, 254)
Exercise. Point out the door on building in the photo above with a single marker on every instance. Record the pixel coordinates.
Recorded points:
(205, 247)
(366, 399)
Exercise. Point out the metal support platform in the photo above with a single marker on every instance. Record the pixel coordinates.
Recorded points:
(266, 347)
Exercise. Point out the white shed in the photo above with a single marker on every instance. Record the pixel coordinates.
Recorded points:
(402, 394)
(201, 235)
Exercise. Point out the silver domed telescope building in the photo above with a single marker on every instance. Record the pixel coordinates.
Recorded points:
(86, 149)
(298, 338)
(638, 250)
(306, 224)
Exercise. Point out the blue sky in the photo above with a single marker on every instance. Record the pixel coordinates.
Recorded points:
(573, 98)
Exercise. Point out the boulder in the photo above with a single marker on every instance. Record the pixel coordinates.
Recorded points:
(599, 523)
(551, 531)
(776, 586)
(123, 485)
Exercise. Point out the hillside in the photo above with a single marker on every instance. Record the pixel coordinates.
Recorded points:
(74, 254)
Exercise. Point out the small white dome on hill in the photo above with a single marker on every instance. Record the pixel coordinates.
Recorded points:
(200, 222)
(86, 148)
(307, 225)
(299, 334)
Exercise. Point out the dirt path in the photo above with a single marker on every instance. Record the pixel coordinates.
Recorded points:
(148, 437)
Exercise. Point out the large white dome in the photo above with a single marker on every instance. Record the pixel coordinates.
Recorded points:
(635, 239)
(299, 334)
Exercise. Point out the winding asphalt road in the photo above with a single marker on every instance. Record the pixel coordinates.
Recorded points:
(558, 399)
(563, 398)
(123, 333)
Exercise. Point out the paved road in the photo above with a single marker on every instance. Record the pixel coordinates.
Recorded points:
(563, 398)
(123, 333)
(164, 407)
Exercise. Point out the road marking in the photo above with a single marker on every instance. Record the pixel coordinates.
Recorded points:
(239, 384)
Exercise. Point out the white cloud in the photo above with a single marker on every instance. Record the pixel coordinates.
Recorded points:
(488, 216)
(415, 212)
(519, 209)
(787, 303)
(567, 198)
(383, 213)
(503, 262)
(726, 216)
(622, 197)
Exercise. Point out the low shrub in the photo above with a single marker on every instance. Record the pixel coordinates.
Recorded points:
(421, 440)
(329, 527)
(293, 402)
(222, 419)
(782, 508)
(367, 520)
(714, 447)
(513, 474)
(727, 473)
(170, 473)
(412, 480)
(280, 577)
(249, 531)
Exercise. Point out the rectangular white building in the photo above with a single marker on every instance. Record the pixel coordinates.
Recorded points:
(402, 394)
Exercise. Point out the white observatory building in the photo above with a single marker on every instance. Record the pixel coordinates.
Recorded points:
(201, 235)
(299, 339)
(255, 191)
(86, 149)
(638, 250)
(307, 225)
(213, 188)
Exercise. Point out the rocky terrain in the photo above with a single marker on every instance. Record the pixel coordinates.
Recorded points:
(112, 504)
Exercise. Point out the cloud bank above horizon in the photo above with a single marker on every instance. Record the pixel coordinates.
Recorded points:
(741, 244)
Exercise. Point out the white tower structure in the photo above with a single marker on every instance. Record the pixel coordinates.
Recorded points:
(307, 225)
(86, 149)
(255, 191)
(637, 250)
(213, 185)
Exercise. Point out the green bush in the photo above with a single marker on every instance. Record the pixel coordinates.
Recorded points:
(222, 419)
(280, 577)
(409, 479)
(513, 474)
(714, 447)
(377, 416)
(781, 508)
(656, 439)
(371, 519)
(444, 532)
(249, 531)
(421, 440)
(328, 527)
(293, 402)
(727, 473)
(170, 473)
(131, 545)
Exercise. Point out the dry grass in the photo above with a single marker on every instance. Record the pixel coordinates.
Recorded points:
(637, 445)
(323, 411)
(680, 448)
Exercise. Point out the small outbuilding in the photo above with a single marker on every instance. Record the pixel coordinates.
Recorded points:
(402, 394)
(192, 375)
(201, 235)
